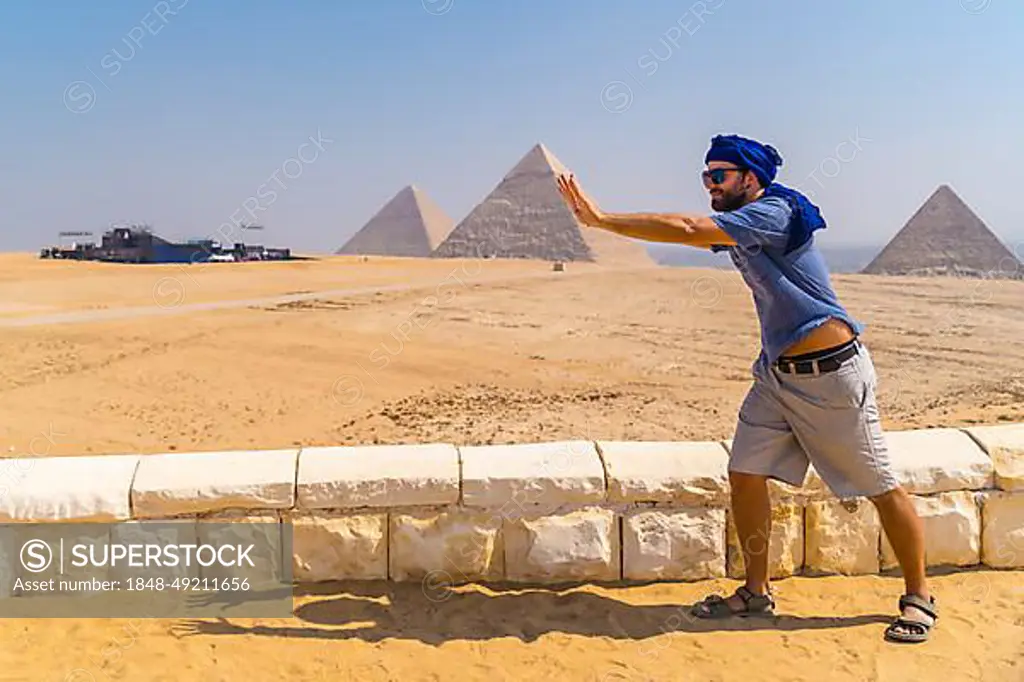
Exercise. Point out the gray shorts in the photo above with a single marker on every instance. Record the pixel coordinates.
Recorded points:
(788, 421)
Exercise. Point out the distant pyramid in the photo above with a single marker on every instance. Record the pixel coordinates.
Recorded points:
(525, 216)
(410, 224)
(945, 237)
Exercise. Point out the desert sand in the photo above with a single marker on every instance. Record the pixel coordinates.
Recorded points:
(140, 359)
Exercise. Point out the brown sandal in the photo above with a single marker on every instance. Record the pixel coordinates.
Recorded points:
(716, 606)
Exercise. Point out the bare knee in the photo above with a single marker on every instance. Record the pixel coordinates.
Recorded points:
(747, 484)
(890, 500)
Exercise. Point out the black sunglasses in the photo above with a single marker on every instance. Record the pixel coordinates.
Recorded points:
(716, 176)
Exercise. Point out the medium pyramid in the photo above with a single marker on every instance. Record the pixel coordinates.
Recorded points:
(945, 237)
(410, 224)
(525, 216)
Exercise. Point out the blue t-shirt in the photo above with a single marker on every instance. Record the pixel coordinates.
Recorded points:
(792, 292)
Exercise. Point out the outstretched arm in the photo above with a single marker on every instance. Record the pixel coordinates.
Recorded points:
(677, 228)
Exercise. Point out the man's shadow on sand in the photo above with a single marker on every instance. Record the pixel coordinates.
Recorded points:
(375, 612)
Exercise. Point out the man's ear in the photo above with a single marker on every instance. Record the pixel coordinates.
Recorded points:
(750, 181)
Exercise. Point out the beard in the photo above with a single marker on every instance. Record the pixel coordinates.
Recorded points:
(727, 202)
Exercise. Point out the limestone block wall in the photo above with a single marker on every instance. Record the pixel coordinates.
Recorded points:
(551, 512)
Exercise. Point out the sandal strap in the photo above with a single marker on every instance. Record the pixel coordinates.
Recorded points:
(928, 607)
(907, 623)
(714, 605)
(747, 596)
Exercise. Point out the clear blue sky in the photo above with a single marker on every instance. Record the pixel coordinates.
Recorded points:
(187, 115)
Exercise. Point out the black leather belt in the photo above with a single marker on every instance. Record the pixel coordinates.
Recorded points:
(820, 365)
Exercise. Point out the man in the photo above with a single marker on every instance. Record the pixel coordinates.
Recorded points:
(813, 394)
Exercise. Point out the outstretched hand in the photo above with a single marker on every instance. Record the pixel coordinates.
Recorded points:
(582, 206)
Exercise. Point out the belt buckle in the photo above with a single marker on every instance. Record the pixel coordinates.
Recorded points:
(817, 369)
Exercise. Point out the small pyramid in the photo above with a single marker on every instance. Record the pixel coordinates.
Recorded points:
(410, 224)
(945, 237)
(525, 216)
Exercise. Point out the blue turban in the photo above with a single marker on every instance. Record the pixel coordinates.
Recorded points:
(763, 160)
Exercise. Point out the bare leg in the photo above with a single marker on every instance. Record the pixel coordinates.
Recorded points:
(752, 514)
(905, 531)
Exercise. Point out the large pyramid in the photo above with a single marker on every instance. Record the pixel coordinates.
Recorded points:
(410, 224)
(525, 216)
(945, 237)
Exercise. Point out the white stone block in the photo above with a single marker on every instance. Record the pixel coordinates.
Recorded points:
(1002, 533)
(785, 546)
(840, 541)
(532, 474)
(1005, 447)
(262, 531)
(673, 544)
(580, 545)
(938, 460)
(952, 530)
(448, 547)
(685, 474)
(340, 547)
(42, 489)
(163, 533)
(347, 477)
(180, 483)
